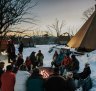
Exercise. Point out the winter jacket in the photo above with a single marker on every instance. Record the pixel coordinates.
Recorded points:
(74, 65)
(19, 61)
(55, 83)
(11, 51)
(20, 49)
(28, 62)
(8, 81)
(66, 62)
(40, 58)
(33, 58)
(21, 78)
(55, 56)
(35, 83)
(59, 59)
(86, 72)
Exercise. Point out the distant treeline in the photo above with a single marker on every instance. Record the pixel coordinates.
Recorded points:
(39, 40)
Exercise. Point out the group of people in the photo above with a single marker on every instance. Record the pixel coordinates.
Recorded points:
(23, 80)
(64, 61)
(32, 61)
(37, 60)
(25, 75)
(11, 50)
(67, 62)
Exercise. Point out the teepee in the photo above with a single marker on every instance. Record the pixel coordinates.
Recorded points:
(85, 38)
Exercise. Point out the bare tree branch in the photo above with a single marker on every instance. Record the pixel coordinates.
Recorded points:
(13, 11)
(56, 27)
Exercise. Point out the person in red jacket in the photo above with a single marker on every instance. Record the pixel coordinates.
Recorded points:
(65, 64)
(8, 79)
(66, 61)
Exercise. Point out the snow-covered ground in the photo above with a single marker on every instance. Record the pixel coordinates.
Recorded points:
(88, 57)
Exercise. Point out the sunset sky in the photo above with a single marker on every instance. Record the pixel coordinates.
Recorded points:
(68, 10)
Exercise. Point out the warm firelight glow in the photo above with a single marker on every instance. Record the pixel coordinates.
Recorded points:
(44, 73)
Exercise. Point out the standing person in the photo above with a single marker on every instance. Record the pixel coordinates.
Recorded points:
(35, 82)
(21, 77)
(40, 58)
(55, 56)
(66, 61)
(20, 60)
(1, 71)
(74, 66)
(20, 49)
(11, 51)
(8, 80)
(33, 59)
(59, 59)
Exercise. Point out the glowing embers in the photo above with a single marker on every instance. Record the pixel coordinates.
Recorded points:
(44, 73)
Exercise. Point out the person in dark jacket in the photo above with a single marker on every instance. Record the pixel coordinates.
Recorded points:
(33, 60)
(55, 56)
(55, 83)
(85, 79)
(1, 71)
(20, 60)
(74, 66)
(11, 51)
(35, 82)
(20, 49)
(1, 68)
(40, 58)
(86, 72)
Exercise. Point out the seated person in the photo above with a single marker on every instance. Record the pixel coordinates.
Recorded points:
(86, 83)
(55, 82)
(86, 72)
(35, 82)
(84, 79)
